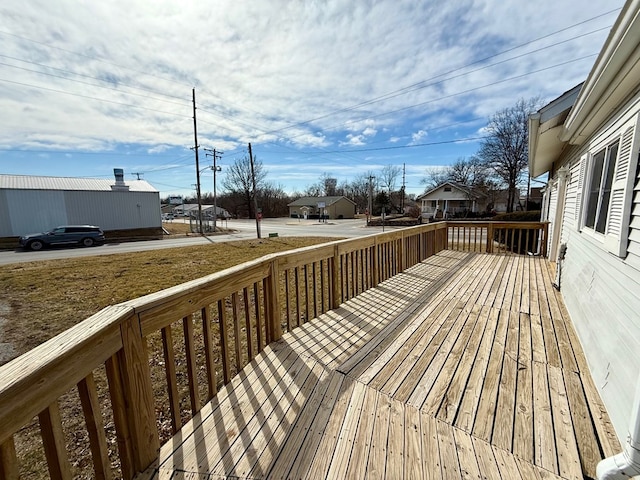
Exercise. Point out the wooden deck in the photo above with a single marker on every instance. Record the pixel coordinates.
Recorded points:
(463, 366)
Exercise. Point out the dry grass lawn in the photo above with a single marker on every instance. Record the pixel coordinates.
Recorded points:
(47, 297)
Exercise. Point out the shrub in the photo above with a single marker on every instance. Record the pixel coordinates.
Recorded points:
(531, 216)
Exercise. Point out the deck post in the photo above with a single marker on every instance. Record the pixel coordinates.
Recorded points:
(273, 301)
(543, 245)
(133, 363)
(490, 237)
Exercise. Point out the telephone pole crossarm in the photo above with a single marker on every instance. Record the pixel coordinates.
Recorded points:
(216, 156)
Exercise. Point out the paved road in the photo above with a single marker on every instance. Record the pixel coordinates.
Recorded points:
(244, 229)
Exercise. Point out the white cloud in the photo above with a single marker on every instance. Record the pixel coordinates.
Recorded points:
(417, 136)
(302, 74)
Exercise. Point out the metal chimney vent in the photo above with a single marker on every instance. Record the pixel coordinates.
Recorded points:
(119, 185)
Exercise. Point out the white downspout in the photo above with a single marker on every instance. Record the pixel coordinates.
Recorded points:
(626, 464)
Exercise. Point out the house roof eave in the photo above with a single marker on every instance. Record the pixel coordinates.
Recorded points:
(611, 80)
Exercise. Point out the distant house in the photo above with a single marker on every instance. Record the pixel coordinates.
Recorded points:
(450, 199)
(312, 207)
(588, 141)
(191, 210)
(31, 204)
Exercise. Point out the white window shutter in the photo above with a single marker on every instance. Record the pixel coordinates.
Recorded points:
(578, 215)
(617, 229)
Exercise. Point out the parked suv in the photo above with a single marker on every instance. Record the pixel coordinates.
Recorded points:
(85, 235)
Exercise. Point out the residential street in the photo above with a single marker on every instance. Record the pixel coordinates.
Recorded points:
(244, 229)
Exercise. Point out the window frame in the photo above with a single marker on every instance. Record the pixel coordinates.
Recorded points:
(626, 133)
(604, 187)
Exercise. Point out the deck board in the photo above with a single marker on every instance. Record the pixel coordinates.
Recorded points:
(464, 366)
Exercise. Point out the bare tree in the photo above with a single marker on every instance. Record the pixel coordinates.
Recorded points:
(238, 180)
(358, 191)
(505, 149)
(389, 177)
(273, 200)
(470, 172)
(435, 176)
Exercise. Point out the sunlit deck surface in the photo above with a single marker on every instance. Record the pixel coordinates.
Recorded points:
(464, 366)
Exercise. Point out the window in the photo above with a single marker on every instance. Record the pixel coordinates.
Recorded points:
(599, 194)
(447, 189)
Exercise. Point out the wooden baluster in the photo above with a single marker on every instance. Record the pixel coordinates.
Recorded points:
(376, 264)
(95, 428)
(224, 341)
(490, 238)
(236, 330)
(322, 287)
(330, 279)
(118, 406)
(336, 284)
(192, 367)
(207, 335)
(287, 300)
(54, 443)
(172, 381)
(247, 319)
(307, 306)
(9, 469)
(297, 287)
(268, 332)
(257, 303)
(314, 285)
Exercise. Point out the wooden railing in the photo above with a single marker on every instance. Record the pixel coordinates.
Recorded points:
(143, 368)
(499, 237)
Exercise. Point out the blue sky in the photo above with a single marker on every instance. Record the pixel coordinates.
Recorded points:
(336, 87)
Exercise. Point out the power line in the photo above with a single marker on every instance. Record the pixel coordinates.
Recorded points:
(39, 87)
(420, 84)
(77, 74)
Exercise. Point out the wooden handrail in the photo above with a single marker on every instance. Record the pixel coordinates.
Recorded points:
(250, 305)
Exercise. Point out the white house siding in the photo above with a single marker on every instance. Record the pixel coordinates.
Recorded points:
(602, 290)
(601, 294)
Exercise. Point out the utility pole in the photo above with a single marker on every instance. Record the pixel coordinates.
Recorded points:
(404, 171)
(371, 177)
(255, 198)
(216, 155)
(195, 149)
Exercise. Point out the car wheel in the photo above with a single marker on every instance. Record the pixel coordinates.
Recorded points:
(87, 242)
(36, 245)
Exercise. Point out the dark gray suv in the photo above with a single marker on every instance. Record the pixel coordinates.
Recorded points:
(85, 235)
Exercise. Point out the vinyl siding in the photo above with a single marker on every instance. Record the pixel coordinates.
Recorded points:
(601, 294)
(602, 290)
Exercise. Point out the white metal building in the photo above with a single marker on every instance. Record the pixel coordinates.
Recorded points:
(35, 204)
